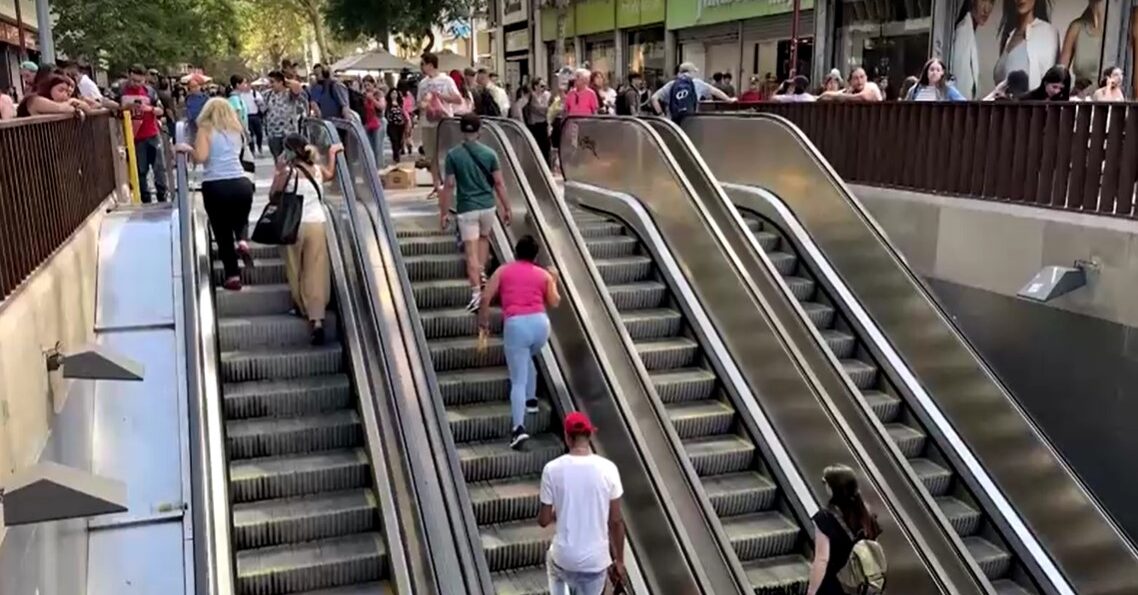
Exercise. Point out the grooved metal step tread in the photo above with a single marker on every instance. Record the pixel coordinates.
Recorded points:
(842, 344)
(778, 575)
(964, 518)
(885, 406)
(784, 262)
(269, 271)
(298, 396)
(435, 243)
(715, 455)
(801, 287)
(820, 314)
(433, 266)
(505, 499)
(753, 224)
(674, 352)
(303, 518)
(259, 251)
(380, 588)
(684, 384)
(624, 269)
(768, 241)
(255, 299)
(910, 440)
(693, 419)
(441, 293)
(466, 352)
(740, 493)
(514, 544)
(633, 296)
(476, 385)
(416, 228)
(937, 479)
(312, 565)
(494, 459)
(651, 323)
(863, 374)
(1008, 587)
(593, 229)
(456, 322)
(269, 330)
(488, 420)
(297, 474)
(270, 436)
(611, 246)
(281, 362)
(531, 580)
(993, 560)
(761, 534)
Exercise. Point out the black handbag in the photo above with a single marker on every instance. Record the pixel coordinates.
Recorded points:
(279, 223)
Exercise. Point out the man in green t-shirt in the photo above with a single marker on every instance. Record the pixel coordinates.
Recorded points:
(474, 180)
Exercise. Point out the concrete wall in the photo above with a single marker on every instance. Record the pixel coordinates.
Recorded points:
(42, 416)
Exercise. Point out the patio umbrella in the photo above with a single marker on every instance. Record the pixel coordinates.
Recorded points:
(448, 61)
(377, 59)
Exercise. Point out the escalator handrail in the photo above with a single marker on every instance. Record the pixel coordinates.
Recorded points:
(462, 526)
(214, 570)
(805, 244)
(626, 352)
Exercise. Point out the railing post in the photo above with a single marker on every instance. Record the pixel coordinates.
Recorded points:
(131, 158)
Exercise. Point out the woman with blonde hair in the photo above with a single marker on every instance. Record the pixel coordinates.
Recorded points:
(226, 191)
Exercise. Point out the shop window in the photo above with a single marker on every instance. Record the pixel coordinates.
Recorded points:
(601, 57)
(568, 59)
(805, 58)
(890, 39)
(646, 56)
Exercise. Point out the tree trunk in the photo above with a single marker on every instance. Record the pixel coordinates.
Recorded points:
(312, 11)
(559, 36)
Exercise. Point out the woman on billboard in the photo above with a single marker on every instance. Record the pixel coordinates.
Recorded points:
(1028, 41)
(1083, 42)
(965, 58)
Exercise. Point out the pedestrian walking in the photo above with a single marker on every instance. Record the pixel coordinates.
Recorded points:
(285, 105)
(844, 522)
(396, 124)
(683, 93)
(142, 101)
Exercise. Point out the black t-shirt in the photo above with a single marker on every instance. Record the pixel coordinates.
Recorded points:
(840, 547)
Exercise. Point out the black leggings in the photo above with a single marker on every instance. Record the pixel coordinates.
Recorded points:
(540, 132)
(256, 133)
(395, 133)
(227, 203)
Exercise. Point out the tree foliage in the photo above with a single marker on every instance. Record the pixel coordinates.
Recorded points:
(157, 33)
(413, 19)
(271, 30)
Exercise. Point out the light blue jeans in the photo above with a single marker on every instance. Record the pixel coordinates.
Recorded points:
(522, 337)
(567, 582)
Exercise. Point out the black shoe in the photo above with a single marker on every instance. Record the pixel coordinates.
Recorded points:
(531, 406)
(318, 337)
(518, 438)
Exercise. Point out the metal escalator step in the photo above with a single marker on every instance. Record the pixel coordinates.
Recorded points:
(596, 229)
(583, 215)
(767, 241)
(693, 419)
(611, 246)
(286, 362)
(964, 518)
(489, 420)
(259, 251)
(910, 440)
(684, 384)
(294, 475)
(435, 266)
(784, 262)
(801, 287)
(1009, 587)
(494, 459)
(761, 535)
(273, 436)
(455, 353)
(820, 314)
(781, 575)
(753, 224)
(864, 375)
(625, 269)
(254, 299)
(508, 499)
(272, 330)
(303, 518)
(937, 479)
(651, 323)
(514, 544)
(436, 243)
(532, 580)
(416, 228)
(441, 293)
(716, 455)
(312, 565)
(457, 322)
(992, 559)
(298, 396)
(638, 295)
(460, 387)
(885, 406)
(740, 493)
(676, 352)
(379, 588)
(842, 344)
(269, 271)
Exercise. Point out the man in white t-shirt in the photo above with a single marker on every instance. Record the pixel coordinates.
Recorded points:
(581, 491)
(436, 96)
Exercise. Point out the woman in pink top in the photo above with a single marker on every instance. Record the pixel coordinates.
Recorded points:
(524, 289)
(581, 100)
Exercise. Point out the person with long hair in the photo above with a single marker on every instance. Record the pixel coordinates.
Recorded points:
(306, 260)
(375, 104)
(1028, 41)
(226, 191)
(845, 520)
(1110, 85)
(965, 56)
(535, 113)
(1083, 42)
(467, 104)
(933, 85)
(52, 95)
(1055, 86)
(396, 123)
(797, 91)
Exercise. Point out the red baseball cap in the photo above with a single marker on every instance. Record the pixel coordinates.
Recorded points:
(578, 423)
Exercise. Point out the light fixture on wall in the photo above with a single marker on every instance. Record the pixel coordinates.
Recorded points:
(93, 362)
(1054, 281)
(50, 492)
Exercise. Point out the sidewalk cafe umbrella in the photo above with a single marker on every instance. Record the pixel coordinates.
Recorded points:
(377, 59)
(448, 61)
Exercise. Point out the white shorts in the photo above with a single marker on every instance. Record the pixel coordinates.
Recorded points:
(475, 224)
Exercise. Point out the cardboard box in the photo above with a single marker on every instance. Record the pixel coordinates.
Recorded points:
(399, 179)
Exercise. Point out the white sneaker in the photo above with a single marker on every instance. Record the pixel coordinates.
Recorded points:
(475, 302)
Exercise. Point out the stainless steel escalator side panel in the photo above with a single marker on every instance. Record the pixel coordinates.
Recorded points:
(214, 570)
(626, 155)
(453, 545)
(1090, 550)
(679, 551)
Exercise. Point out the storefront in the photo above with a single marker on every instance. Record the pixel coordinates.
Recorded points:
(568, 57)
(516, 44)
(642, 27)
(10, 55)
(890, 40)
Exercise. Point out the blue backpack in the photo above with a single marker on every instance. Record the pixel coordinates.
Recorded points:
(683, 100)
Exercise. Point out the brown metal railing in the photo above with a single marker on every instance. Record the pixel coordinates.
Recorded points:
(1072, 156)
(54, 172)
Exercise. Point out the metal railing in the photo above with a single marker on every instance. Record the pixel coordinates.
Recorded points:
(1072, 156)
(54, 172)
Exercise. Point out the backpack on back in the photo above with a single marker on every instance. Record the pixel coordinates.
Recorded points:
(623, 108)
(682, 100)
(358, 103)
(864, 572)
(486, 105)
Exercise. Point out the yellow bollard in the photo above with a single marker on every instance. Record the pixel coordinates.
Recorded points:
(131, 158)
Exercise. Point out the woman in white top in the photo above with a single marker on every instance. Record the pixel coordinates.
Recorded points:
(306, 261)
(1028, 42)
(965, 57)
